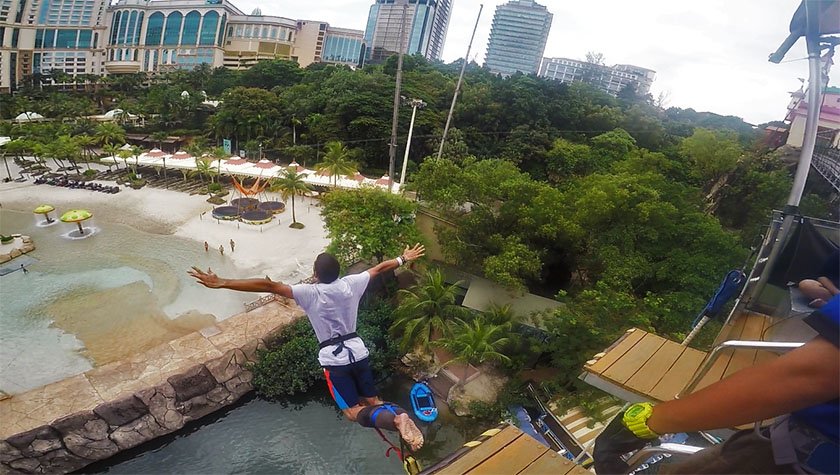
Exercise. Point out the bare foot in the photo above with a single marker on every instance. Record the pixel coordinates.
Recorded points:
(409, 431)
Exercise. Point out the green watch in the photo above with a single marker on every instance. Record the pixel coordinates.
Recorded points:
(635, 419)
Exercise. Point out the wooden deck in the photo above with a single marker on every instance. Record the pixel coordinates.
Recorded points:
(509, 452)
(645, 366)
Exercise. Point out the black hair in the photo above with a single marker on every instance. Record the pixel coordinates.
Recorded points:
(326, 268)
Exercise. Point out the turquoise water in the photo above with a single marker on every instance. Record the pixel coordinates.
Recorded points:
(301, 435)
(90, 301)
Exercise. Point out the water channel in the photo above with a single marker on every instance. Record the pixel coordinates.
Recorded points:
(301, 435)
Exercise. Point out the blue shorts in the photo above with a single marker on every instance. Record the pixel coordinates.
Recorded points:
(350, 382)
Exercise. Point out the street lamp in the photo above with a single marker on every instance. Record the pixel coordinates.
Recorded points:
(414, 103)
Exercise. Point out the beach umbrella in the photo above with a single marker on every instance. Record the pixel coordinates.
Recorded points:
(76, 216)
(45, 210)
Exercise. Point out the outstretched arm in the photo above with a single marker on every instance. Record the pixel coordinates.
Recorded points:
(210, 280)
(806, 376)
(408, 255)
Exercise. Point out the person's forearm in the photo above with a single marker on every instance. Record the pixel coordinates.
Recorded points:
(249, 285)
(829, 285)
(386, 266)
(804, 377)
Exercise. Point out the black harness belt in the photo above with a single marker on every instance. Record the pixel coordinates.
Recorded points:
(339, 340)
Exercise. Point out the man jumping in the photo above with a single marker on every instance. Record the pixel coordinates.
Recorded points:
(332, 306)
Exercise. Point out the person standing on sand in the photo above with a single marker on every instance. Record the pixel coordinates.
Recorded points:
(206, 247)
(222, 249)
(332, 306)
(24, 269)
(232, 244)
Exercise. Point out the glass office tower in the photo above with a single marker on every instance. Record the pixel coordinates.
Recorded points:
(517, 37)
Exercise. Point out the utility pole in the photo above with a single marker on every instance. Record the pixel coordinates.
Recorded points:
(458, 85)
(392, 151)
(415, 103)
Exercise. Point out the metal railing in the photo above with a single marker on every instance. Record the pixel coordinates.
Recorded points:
(826, 161)
(646, 453)
(774, 346)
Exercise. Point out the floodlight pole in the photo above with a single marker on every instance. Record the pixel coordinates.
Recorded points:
(392, 150)
(458, 85)
(415, 103)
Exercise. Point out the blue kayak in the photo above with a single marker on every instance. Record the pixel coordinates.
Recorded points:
(423, 402)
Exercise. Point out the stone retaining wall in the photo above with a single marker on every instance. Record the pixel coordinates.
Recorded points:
(20, 245)
(67, 425)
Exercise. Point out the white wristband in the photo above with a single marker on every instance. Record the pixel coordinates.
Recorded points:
(400, 261)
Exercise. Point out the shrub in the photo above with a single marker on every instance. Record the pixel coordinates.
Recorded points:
(6, 239)
(90, 173)
(297, 225)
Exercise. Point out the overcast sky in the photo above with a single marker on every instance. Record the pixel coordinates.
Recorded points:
(710, 55)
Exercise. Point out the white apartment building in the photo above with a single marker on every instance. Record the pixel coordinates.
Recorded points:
(612, 79)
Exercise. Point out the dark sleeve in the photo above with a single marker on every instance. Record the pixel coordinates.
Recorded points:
(826, 320)
(831, 268)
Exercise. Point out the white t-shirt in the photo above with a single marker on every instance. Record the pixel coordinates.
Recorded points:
(332, 310)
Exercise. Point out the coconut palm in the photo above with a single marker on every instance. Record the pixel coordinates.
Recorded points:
(136, 152)
(86, 142)
(159, 137)
(337, 161)
(109, 133)
(125, 155)
(290, 184)
(426, 309)
(295, 122)
(111, 151)
(476, 341)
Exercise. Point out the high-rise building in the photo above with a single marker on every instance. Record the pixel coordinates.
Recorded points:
(44, 36)
(90, 37)
(424, 27)
(517, 37)
(161, 35)
(343, 46)
(611, 79)
(257, 37)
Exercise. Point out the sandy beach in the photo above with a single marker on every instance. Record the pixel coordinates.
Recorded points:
(272, 249)
(127, 301)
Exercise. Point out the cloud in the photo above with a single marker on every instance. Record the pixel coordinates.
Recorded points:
(709, 55)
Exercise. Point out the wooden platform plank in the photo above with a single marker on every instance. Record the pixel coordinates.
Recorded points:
(716, 371)
(649, 375)
(733, 332)
(514, 457)
(617, 351)
(753, 327)
(635, 358)
(678, 376)
(482, 452)
(551, 463)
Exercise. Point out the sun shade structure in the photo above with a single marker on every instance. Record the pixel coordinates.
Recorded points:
(76, 216)
(226, 213)
(45, 210)
(256, 217)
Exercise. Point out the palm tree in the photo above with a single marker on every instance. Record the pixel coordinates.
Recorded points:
(136, 152)
(295, 122)
(86, 142)
(111, 151)
(110, 133)
(125, 155)
(159, 137)
(290, 184)
(476, 342)
(425, 309)
(337, 161)
(15, 147)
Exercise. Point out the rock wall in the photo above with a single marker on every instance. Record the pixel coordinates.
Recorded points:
(20, 245)
(136, 414)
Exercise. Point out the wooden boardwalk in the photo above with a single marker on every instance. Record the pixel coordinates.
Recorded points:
(654, 368)
(508, 451)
